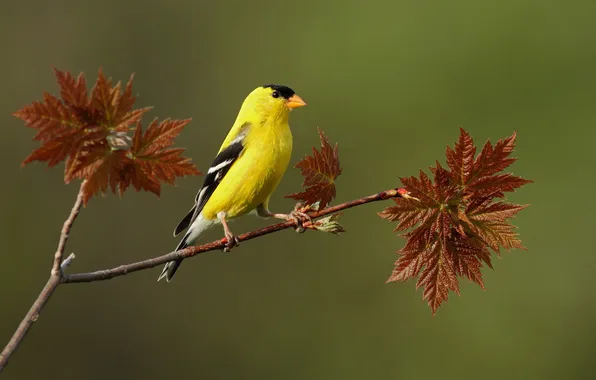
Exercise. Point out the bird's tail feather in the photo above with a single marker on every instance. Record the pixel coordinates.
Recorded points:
(196, 229)
(171, 267)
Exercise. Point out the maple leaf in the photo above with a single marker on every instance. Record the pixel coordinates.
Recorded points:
(149, 161)
(319, 171)
(57, 129)
(107, 170)
(479, 174)
(452, 221)
(460, 159)
(153, 158)
(73, 91)
(90, 131)
(438, 276)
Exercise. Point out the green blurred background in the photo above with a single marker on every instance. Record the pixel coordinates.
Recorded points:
(391, 81)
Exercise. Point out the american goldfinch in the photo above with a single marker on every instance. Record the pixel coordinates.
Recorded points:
(247, 169)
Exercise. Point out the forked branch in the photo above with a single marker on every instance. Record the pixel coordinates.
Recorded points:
(452, 220)
(56, 275)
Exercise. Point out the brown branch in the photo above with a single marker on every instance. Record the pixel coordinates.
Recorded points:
(55, 279)
(57, 276)
(65, 231)
(121, 270)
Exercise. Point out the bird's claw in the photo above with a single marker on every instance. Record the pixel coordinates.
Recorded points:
(232, 241)
(300, 218)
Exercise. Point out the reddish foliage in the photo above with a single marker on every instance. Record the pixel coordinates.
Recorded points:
(451, 221)
(91, 132)
(319, 171)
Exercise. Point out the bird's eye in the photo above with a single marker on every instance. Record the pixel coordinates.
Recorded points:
(275, 94)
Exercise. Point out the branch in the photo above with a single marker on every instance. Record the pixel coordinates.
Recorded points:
(57, 276)
(67, 262)
(66, 230)
(55, 279)
(122, 270)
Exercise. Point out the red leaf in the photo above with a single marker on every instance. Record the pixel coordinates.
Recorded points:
(497, 184)
(408, 213)
(451, 221)
(422, 186)
(158, 136)
(154, 159)
(494, 211)
(55, 150)
(496, 234)
(408, 265)
(469, 266)
(51, 118)
(461, 159)
(101, 100)
(319, 171)
(149, 162)
(122, 108)
(494, 160)
(91, 134)
(107, 171)
(94, 147)
(58, 130)
(438, 276)
(73, 92)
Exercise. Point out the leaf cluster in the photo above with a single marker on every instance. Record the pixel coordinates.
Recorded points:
(454, 220)
(320, 172)
(92, 131)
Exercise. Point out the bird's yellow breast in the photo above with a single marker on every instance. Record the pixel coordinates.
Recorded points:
(255, 174)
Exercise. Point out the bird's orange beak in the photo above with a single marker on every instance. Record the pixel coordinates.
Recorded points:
(295, 102)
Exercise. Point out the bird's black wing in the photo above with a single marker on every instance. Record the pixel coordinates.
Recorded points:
(220, 166)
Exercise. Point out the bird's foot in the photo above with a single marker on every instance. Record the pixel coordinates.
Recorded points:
(300, 218)
(231, 242)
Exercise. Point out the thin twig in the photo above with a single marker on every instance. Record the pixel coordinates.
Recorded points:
(47, 291)
(121, 270)
(57, 276)
(67, 262)
(66, 230)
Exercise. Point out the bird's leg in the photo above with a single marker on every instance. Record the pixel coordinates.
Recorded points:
(232, 241)
(296, 215)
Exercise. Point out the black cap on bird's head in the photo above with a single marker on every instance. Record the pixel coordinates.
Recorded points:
(293, 100)
(284, 91)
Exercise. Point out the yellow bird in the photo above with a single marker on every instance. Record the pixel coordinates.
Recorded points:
(246, 170)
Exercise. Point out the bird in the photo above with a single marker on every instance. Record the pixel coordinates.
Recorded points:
(248, 167)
